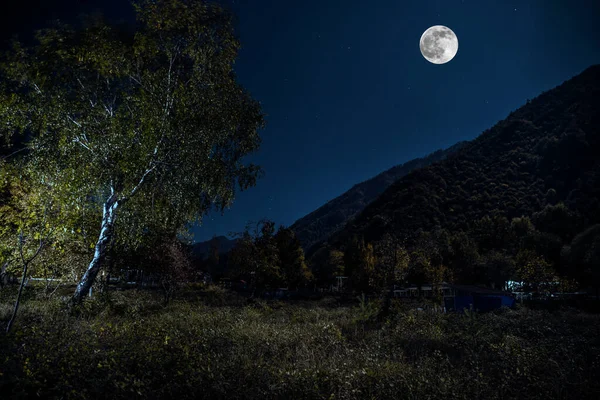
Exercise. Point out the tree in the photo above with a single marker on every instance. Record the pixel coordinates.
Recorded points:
(392, 267)
(291, 257)
(522, 229)
(392, 262)
(23, 215)
(22, 205)
(534, 271)
(359, 261)
(213, 260)
(464, 259)
(255, 256)
(583, 257)
(497, 267)
(173, 265)
(326, 264)
(140, 125)
(558, 220)
(25, 261)
(493, 233)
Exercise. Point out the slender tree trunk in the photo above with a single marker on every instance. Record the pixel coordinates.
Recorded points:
(101, 249)
(23, 279)
(14, 315)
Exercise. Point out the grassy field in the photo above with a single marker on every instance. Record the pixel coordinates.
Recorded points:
(211, 344)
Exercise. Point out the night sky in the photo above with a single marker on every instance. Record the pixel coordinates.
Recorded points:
(348, 95)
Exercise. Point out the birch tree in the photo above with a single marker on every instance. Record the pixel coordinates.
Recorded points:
(135, 121)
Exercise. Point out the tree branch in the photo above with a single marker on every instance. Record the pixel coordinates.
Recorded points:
(141, 181)
(75, 122)
(13, 153)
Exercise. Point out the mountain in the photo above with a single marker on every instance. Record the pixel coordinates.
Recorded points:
(200, 250)
(545, 152)
(329, 218)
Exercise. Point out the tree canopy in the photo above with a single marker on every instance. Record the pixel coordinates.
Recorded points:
(151, 126)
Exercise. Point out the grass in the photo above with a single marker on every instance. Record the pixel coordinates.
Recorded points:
(211, 344)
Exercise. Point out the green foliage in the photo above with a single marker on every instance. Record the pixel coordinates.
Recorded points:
(534, 271)
(152, 125)
(367, 310)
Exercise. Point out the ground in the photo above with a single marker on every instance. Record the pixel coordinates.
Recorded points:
(209, 343)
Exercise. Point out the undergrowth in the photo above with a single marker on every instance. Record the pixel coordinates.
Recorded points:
(214, 345)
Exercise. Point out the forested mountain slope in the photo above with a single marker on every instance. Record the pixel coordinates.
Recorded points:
(332, 216)
(547, 151)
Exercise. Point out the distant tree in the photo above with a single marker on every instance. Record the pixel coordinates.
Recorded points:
(244, 258)
(213, 260)
(171, 262)
(392, 267)
(498, 268)
(558, 220)
(464, 259)
(256, 257)
(327, 263)
(534, 271)
(359, 261)
(270, 264)
(335, 264)
(493, 233)
(392, 262)
(522, 228)
(135, 122)
(583, 257)
(352, 256)
(294, 269)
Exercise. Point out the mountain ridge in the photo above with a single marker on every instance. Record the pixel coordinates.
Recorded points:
(549, 145)
(319, 224)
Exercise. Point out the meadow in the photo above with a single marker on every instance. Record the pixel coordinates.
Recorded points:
(213, 344)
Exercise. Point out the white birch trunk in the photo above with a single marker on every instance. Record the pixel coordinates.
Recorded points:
(101, 249)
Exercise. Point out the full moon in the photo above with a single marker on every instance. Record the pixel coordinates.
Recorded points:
(438, 44)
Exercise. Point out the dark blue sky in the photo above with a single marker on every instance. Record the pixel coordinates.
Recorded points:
(347, 93)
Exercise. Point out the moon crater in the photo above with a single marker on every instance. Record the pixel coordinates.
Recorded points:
(438, 44)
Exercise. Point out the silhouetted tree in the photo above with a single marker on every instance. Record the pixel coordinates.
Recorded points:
(294, 270)
(327, 263)
(583, 257)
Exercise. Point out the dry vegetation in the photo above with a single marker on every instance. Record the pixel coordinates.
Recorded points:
(211, 344)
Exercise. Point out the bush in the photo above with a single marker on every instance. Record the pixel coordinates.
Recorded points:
(209, 348)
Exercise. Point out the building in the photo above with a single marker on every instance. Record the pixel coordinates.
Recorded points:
(477, 298)
(460, 297)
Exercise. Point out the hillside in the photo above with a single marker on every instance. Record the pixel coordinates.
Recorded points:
(545, 152)
(332, 216)
(201, 250)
